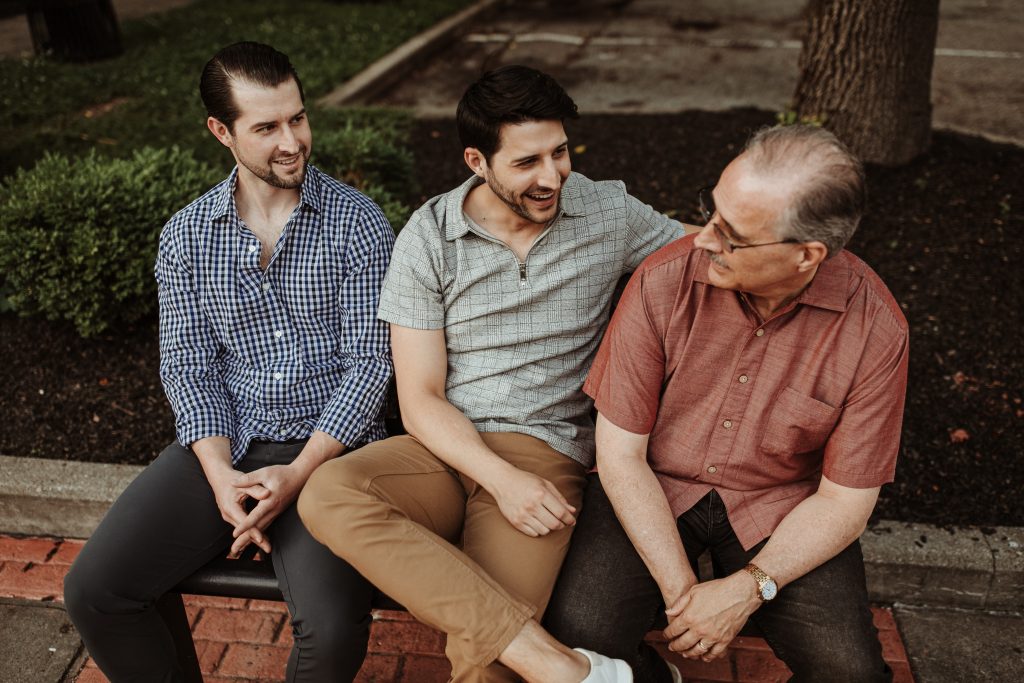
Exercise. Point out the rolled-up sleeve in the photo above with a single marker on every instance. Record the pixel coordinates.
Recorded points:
(188, 348)
(355, 405)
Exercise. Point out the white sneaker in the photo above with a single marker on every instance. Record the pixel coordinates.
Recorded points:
(605, 669)
(674, 670)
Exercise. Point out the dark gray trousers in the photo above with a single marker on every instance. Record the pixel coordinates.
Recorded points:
(166, 525)
(606, 600)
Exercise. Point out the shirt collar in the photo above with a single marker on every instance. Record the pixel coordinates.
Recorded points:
(827, 290)
(571, 204)
(309, 192)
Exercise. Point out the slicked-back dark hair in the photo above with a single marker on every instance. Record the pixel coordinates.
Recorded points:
(253, 63)
(510, 94)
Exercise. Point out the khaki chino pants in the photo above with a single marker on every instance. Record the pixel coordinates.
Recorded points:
(435, 541)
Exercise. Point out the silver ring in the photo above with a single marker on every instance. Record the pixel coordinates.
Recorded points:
(702, 646)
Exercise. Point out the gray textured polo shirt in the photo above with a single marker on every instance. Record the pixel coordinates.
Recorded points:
(521, 336)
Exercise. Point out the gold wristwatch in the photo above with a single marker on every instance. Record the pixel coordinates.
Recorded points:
(766, 586)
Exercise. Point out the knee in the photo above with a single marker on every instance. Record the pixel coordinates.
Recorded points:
(336, 629)
(332, 647)
(332, 486)
(84, 595)
(851, 662)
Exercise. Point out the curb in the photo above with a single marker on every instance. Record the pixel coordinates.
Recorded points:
(63, 498)
(906, 563)
(387, 70)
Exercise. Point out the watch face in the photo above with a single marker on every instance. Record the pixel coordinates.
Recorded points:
(769, 590)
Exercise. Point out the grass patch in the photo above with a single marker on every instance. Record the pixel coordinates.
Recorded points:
(149, 96)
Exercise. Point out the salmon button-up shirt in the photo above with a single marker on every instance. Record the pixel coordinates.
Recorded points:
(756, 409)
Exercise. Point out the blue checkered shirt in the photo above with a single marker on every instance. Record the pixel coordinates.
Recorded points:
(275, 354)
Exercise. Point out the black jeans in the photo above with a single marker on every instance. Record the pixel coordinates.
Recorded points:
(166, 525)
(820, 625)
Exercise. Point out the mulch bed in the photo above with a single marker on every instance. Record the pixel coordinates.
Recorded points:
(946, 233)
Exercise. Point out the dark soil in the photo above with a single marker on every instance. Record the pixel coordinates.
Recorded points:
(946, 233)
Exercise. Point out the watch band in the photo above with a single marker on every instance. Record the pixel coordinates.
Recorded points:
(762, 580)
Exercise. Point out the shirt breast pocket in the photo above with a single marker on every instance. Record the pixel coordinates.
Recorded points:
(798, 424)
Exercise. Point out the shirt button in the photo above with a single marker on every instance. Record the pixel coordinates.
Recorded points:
(252, 248)
(759, 333)
(266, 288)
(278, 333)
(712, 469)
(743, 379)
(283, 432)
(727, 424)
(278, 376)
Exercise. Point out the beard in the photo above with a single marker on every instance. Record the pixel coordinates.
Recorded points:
(517, 202)
(270, 177)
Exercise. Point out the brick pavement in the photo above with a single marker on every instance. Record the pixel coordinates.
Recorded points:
(249, 640)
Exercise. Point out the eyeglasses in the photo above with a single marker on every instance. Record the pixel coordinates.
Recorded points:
(707, 210)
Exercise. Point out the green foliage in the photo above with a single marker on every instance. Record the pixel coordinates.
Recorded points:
(789, 117)
(149, 96)
(78, 238)
(372, 159)
(396, 211)
(361, 156)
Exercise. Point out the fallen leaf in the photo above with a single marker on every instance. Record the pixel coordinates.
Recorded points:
(959, 435)
(104, 381)
(579, 149)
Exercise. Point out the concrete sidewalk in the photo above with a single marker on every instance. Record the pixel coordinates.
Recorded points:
(948, 590)
(956, 595)
(663, 56)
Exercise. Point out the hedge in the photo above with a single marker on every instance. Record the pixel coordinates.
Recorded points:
(78, 238)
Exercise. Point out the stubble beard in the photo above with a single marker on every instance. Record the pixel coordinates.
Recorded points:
(519, 207)
(267, 174)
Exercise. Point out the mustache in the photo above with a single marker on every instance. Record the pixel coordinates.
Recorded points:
(301, 152)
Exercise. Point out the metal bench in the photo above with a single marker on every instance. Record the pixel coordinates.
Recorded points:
(246, 577)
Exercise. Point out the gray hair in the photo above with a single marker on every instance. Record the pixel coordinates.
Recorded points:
(828, 195)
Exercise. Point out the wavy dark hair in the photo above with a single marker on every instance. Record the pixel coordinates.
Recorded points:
(510, 94)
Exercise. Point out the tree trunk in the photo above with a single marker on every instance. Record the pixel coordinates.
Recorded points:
(865, 73)
(74, 30)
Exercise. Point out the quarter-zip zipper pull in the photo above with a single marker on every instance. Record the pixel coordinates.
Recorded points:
(522, 274)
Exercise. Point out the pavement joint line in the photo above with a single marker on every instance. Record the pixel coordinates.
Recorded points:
(639, 41)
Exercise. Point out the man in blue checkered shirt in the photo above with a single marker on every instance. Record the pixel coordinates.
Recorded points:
(274, 361)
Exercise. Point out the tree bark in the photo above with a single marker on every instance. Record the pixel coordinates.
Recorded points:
(74, 30)
(865, 73)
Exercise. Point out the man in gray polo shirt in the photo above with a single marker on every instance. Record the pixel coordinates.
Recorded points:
(497, 295)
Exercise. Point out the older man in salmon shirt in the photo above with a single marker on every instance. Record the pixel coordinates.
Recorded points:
(750, 393)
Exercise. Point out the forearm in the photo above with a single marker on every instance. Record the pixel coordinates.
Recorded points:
(815, 531)
(320, 448)
(644, 512)
(214, 455)
(450, 435)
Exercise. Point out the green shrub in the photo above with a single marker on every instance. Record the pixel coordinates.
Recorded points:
(371, 159)
(396, 210)
(78, 238)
